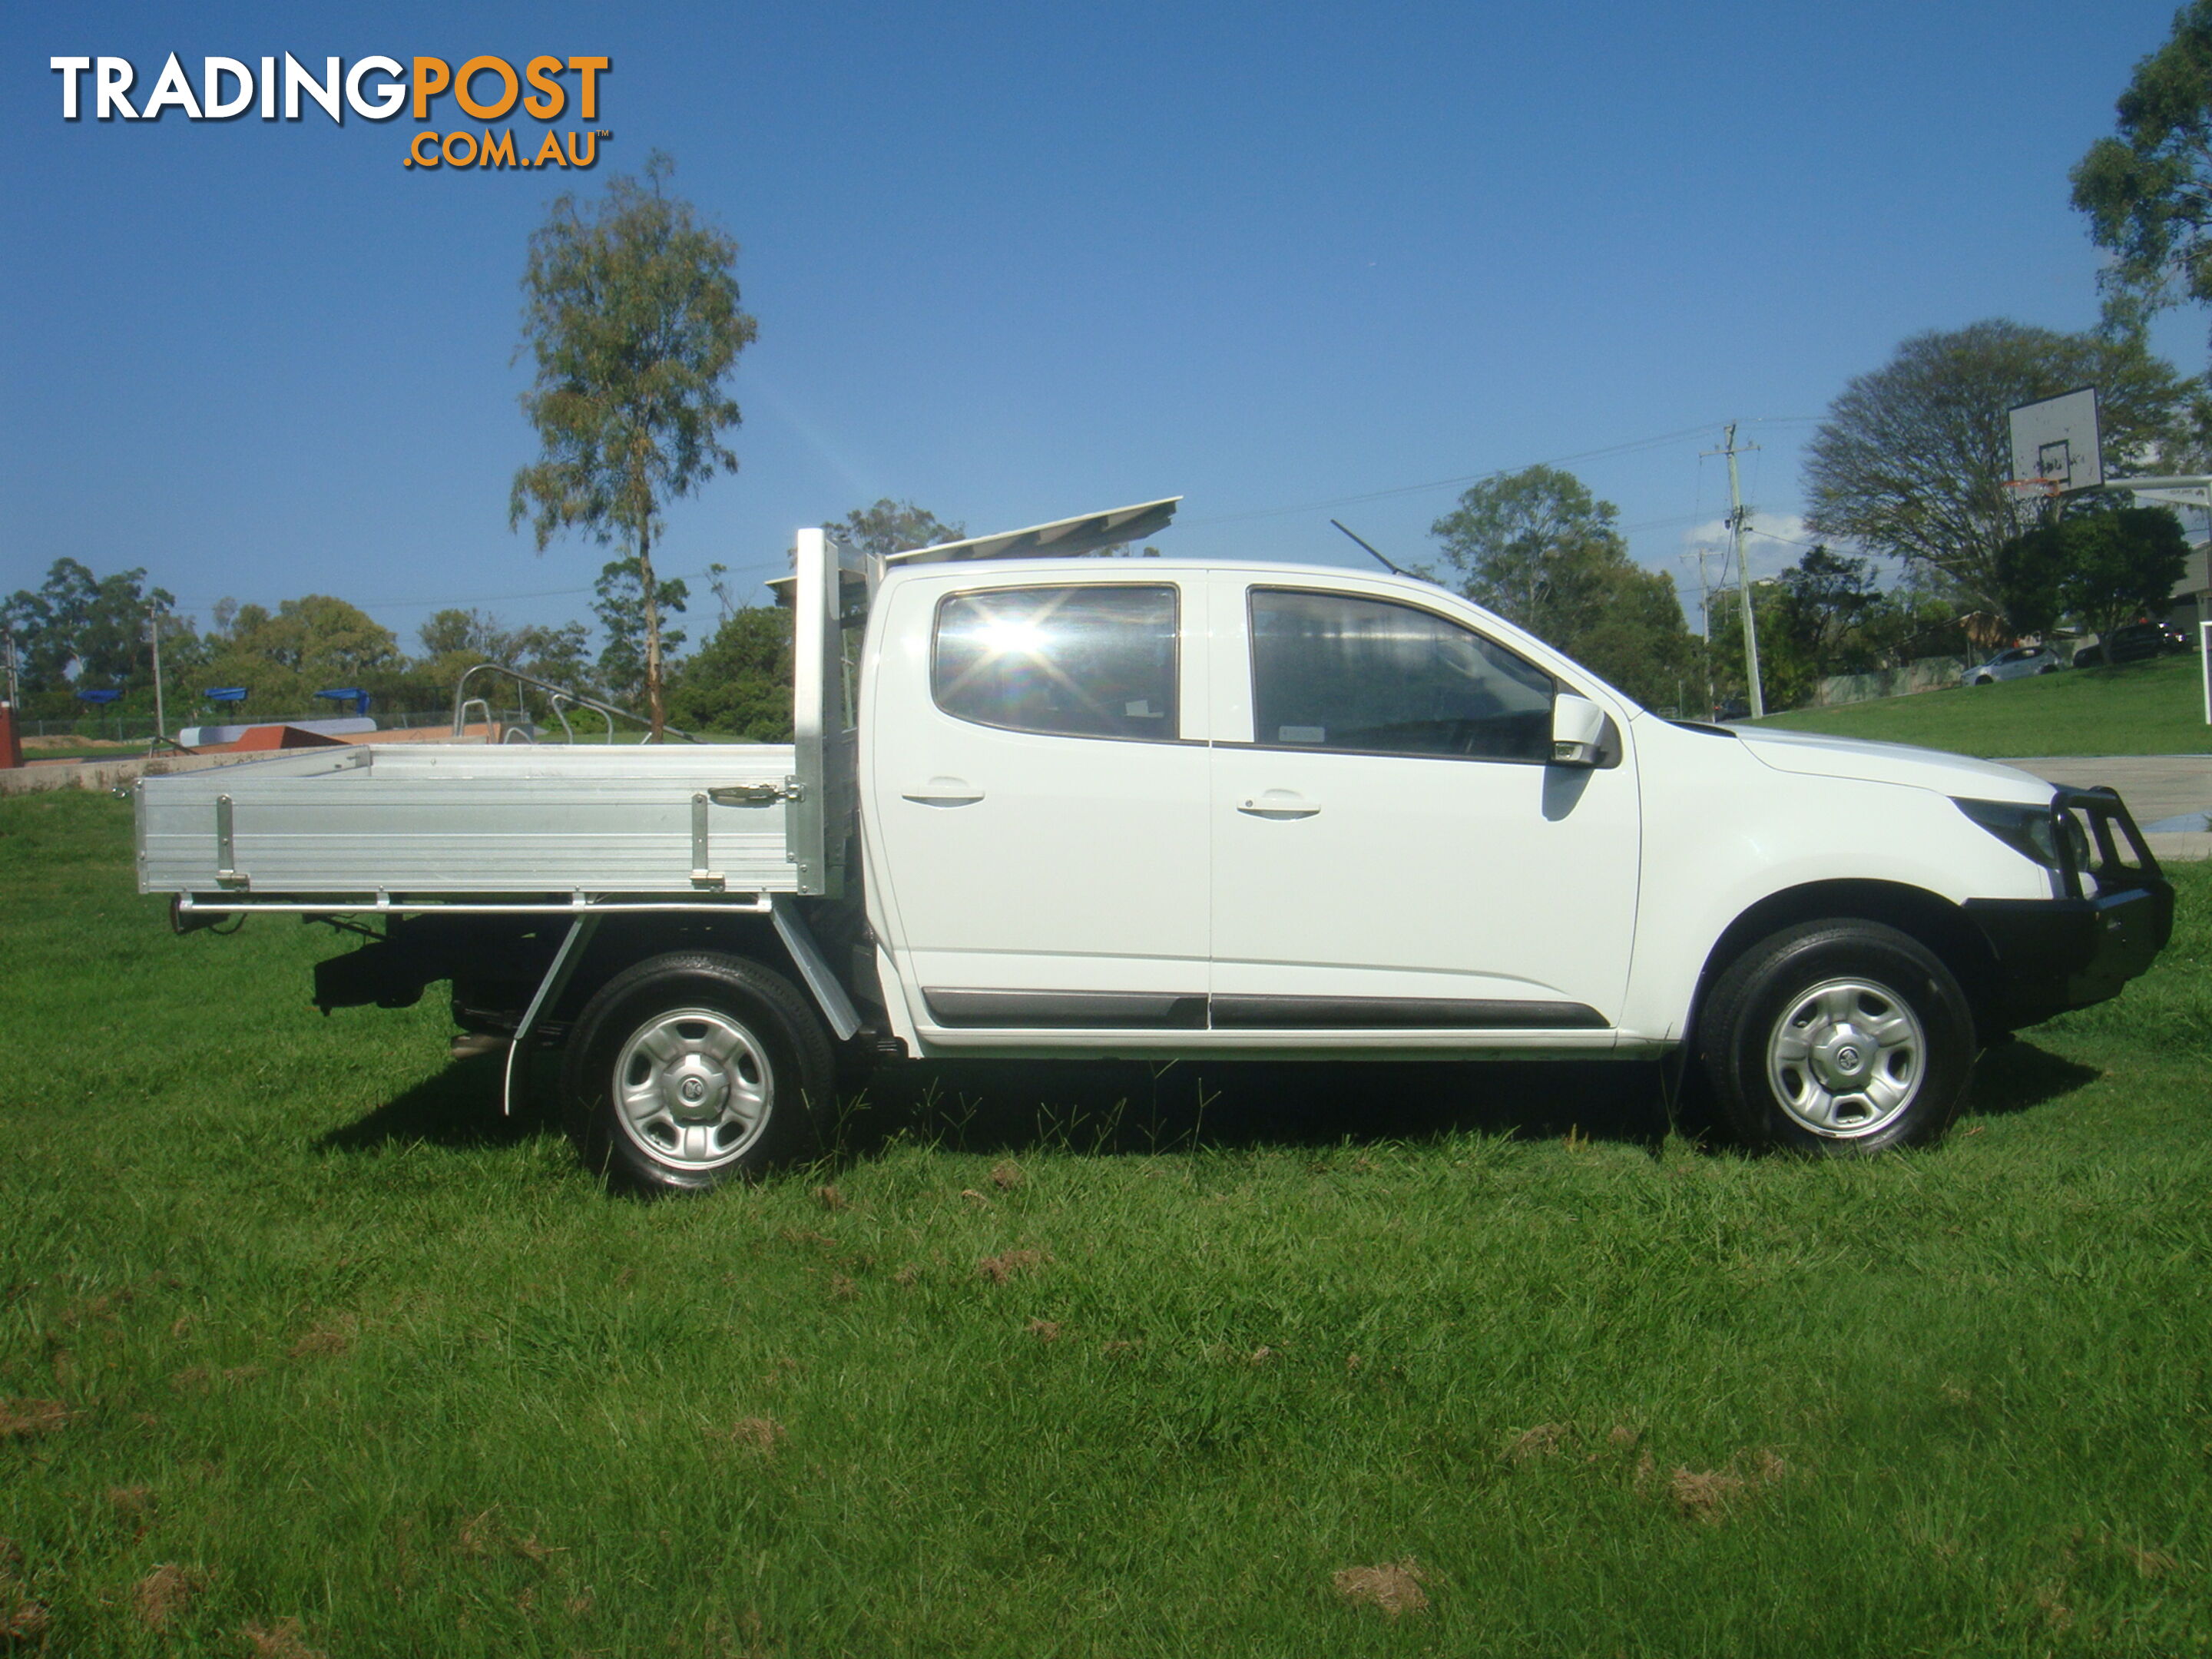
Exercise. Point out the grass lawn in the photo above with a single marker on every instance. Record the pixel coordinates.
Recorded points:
(303, 1349)
(2154, 708)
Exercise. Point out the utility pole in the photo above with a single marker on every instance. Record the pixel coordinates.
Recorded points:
(1742, 571)
(160, 720)
(14, 692)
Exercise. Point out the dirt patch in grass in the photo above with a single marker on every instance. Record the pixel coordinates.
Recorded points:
(1705, 1495)
(1001, 1268)
(1710, 1496)
(488, 1535)
(133, 1504)
(1395, 1587)
(163, 1594)
(21, 1418)
(1543, 1441)
(282, 1640)
(22, 1618)
(760, 1434)
(327, 1339)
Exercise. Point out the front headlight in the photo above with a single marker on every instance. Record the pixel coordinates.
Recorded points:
(2032, 831)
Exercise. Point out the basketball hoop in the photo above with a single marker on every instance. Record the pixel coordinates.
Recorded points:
(2056, 444)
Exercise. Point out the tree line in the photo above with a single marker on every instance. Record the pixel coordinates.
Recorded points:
(80, 631)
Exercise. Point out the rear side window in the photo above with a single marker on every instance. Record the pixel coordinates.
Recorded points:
(1075, 662)
(1331, 672)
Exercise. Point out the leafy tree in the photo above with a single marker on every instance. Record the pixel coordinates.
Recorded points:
(892, 527)
(1537, 548)
(631, 313)
(1527, 545)
(1912, 459)
(2103, 563)
(738, 682)
(1825, 603)
(2121, 561)
(631, 623)
(2031, 573)
(454, 641)
(2148, 192)
(306, 645)
(76, 629)
(1787, 676)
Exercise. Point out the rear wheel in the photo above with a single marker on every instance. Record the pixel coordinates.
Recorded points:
(693, 1068)
(1838, 1037)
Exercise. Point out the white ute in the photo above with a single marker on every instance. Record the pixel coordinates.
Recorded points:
(1040, 805)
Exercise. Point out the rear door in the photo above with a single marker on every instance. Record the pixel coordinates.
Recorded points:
(1038, 782)
(1391, 847)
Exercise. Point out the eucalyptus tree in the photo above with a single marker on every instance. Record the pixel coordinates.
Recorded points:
(2148, 188)
(631, 312)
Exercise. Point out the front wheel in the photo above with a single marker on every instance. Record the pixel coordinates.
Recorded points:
(1985, 680)
(1838, 1037)
(693, 1067)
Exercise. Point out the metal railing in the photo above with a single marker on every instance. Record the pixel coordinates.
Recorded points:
(559, 698)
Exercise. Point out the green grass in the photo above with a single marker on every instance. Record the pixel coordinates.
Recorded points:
(338, 1347)
(2154, 708)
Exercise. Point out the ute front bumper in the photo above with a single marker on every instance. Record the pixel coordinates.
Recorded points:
(2112, 915)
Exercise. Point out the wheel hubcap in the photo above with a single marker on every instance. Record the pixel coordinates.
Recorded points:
(693, 1088)
(1846, 1058)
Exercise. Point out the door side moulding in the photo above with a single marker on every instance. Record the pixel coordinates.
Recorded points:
(1429, 1013)
(1090, 1010)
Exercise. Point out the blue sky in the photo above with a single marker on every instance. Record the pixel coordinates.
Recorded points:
(1018, 261)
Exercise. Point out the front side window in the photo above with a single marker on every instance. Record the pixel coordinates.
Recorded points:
(1332, 671)
(1078, 661)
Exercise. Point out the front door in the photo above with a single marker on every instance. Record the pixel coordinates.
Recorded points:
(1040, 801)
(1391, 847)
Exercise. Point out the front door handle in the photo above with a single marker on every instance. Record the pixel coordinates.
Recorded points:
(942, 792)
(1279, 804)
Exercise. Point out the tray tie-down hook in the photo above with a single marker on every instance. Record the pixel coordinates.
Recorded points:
(756, 794)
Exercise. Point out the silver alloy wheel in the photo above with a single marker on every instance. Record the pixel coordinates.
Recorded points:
(1847, 1057)
(693, 1088)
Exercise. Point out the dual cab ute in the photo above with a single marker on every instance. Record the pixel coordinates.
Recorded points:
(1047, 805)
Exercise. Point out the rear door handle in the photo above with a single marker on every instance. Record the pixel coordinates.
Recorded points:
(1279, 804)
(943, 792)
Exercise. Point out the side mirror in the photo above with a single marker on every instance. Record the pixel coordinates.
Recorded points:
(1578, 730)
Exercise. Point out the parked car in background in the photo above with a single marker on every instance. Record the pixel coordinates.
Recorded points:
(2016, 664)
(2132, 643)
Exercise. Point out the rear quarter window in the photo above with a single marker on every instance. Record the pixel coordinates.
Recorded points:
(1085, 661)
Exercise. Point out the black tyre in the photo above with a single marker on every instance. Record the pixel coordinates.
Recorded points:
(1984, 679)
(694, 1069)
(1839, 1037)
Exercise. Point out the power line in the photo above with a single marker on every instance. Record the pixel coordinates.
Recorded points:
(1633, 446)
(538, 593)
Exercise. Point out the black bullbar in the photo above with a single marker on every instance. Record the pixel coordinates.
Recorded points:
(2112, 914)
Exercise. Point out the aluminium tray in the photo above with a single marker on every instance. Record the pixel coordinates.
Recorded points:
(474, 820)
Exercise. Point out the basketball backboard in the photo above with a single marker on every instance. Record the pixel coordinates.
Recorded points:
(2055, 440)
